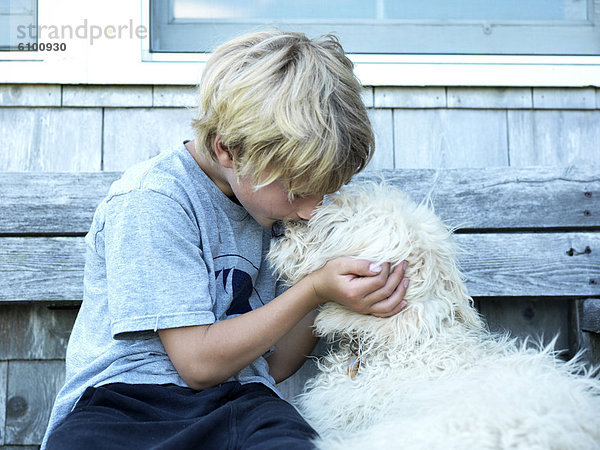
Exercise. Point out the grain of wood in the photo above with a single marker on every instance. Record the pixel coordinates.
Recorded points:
(107, 96)
(564, 98)
(30, 95)
(175, 97)
(41, 269)
(531, 264)
(32, 387)
(410, 97)
(539, 319)
(467, 198)
(554, 138)
(3, 385)
(51, 203)
(32, 331)
(504, 264)
(382, 124)
(489, 98)
(367, 96)
(450, 138)
(50, 139)
(137, 134)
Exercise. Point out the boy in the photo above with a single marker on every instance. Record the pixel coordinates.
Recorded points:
(181, 335)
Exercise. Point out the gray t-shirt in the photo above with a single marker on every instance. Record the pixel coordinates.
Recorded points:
(166, 249)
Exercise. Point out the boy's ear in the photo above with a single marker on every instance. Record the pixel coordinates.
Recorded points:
(224, 155)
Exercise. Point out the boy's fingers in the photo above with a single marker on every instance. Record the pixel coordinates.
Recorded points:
(391, 284)
(362, 267)
(393, 304)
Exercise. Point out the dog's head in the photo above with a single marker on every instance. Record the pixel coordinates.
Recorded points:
(380, 223)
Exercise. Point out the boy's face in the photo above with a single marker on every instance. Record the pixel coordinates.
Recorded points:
(270, 203)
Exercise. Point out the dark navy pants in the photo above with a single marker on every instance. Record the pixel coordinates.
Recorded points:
(228, 416)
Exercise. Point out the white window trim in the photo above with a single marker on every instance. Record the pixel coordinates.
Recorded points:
(129, 61)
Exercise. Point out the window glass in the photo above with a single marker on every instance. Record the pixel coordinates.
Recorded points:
(517, 27)
(18, 23)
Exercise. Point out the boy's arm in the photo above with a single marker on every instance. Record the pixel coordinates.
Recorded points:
(206, 355)
(293, 348)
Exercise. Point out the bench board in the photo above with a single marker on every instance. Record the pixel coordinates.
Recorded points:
(494, 198)
(495, 264)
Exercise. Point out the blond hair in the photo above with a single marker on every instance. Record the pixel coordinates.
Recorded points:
(288, 108)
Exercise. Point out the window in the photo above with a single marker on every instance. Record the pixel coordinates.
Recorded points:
(17, 19)
(467, 27)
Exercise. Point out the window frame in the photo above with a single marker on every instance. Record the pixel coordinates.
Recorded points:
(130, 61)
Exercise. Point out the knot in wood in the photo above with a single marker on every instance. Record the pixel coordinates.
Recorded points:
(587, 250)
(588, 194)
(16, 407)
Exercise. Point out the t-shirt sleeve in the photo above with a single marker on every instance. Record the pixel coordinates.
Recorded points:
(155, 272)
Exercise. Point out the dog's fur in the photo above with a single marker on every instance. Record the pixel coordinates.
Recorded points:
(432, 376)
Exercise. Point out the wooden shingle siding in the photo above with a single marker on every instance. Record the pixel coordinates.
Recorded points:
(392, 97)
(134, 135)
(382, 122)
(37, 95)
(554, 137)
(35, 332)
(449, 138)
(50, 139)
(32, 387)
(489, 98)
(107, 96)
(175, 97)
(560, 98)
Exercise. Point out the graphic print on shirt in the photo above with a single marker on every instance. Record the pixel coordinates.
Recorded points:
(235, 277)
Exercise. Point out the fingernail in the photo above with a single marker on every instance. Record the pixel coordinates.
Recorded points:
(403, 304)
(406, 280)
(375, 268)
(404, 264)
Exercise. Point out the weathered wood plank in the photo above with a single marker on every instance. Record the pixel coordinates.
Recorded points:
(450, 138)
(410, 97)
(51, 203)
(175, 96)
(535, 318)
(583, 340)
(542, 197)
(34, 331)
(590, 316)
(531, 264)
(509, 264)
(107, 96)
(504, 198)
(132, 135)
(564, 98)
(489, 98)
(367, 96)
(32, 387)
(41, 269)
(382, 123)
(3, 384)
(30, 95)
(50, 139)
(554, 138)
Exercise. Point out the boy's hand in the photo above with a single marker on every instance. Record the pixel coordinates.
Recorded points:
(361, 286)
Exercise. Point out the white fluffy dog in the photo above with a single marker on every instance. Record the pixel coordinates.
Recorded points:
(432, 376)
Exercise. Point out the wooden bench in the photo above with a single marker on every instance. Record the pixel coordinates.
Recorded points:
(532, 261)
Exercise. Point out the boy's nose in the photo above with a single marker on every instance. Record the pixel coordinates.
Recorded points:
(307, 208)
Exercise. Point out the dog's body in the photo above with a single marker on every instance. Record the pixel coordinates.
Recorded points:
(431, 377)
